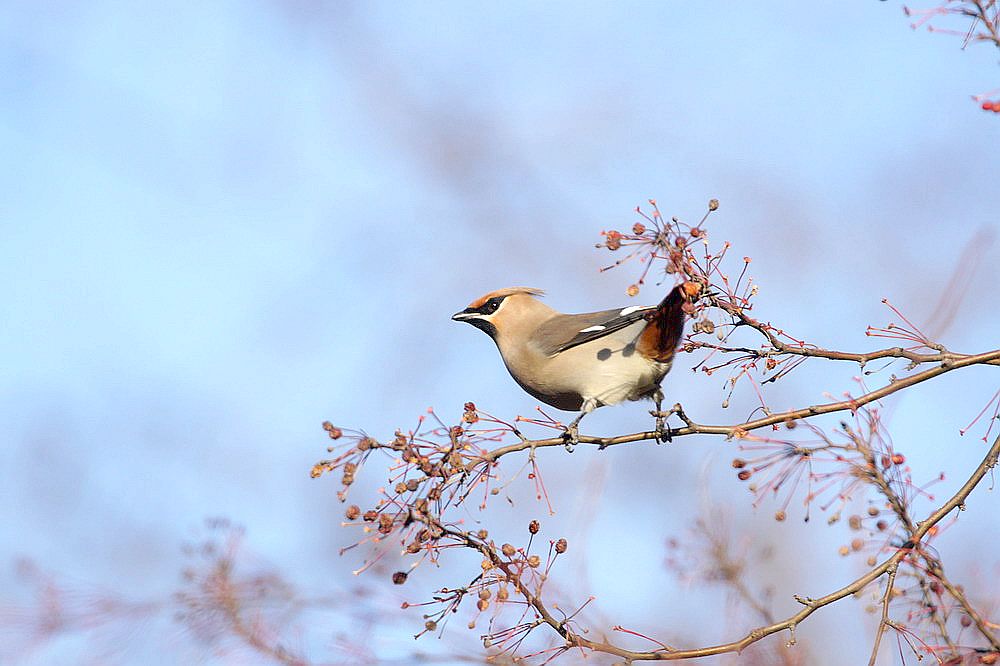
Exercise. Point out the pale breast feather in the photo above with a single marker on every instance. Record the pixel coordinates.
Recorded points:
(563, 332)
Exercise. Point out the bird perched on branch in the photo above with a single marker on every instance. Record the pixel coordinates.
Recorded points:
(579, 362)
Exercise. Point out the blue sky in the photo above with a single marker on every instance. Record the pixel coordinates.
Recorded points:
(225, 224)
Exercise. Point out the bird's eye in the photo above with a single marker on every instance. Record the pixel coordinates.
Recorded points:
(492, 305)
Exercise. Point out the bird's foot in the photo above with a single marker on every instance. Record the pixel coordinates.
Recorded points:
(571, 437)
(664, 433)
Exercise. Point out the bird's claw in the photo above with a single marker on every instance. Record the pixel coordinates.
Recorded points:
(663, 433)
(571, 437)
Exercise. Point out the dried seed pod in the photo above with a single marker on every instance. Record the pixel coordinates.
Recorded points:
(534, 526)
(561, 546)
(399, 577)
(507, 550)
(353, 512)
(534, 561)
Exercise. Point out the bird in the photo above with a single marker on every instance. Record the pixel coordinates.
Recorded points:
(579, 362)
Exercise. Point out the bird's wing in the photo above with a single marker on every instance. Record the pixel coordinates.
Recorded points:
(566, 331)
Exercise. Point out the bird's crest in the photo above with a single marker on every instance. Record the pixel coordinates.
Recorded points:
(507, 291)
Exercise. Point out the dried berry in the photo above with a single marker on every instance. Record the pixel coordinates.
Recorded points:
(898, 459)
(507, 550)
(739, 463)
(633, 290)
(561, 546)
(713, 205)
(857, 544)
(353, 512)
(399, 577)
(854, 522)
(779, 516)
(534, 526)
(613, 240)
(743, 475)
(873, 511)
(638, 228)
(430, 625)
(484, 594)
(333, 431)
(482, 604)
(534, 561)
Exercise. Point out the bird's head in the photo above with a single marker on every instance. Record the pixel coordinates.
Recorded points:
(502, 309)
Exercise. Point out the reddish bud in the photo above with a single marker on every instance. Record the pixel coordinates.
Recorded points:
(743, 475)
(370, 516)
(399, 577)
(898, 459)
(739, 463)
(779, 516)
(633, 289)
(333, 431)
(966, 621)
(987, 105)
(638, 228)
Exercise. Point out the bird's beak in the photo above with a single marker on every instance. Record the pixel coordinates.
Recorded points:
(464, 315)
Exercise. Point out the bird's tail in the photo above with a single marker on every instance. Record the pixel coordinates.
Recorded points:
(663, 333)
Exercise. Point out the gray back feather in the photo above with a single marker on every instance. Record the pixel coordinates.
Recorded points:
(565, 331)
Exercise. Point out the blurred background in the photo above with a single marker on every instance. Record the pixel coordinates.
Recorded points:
(224, 224)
